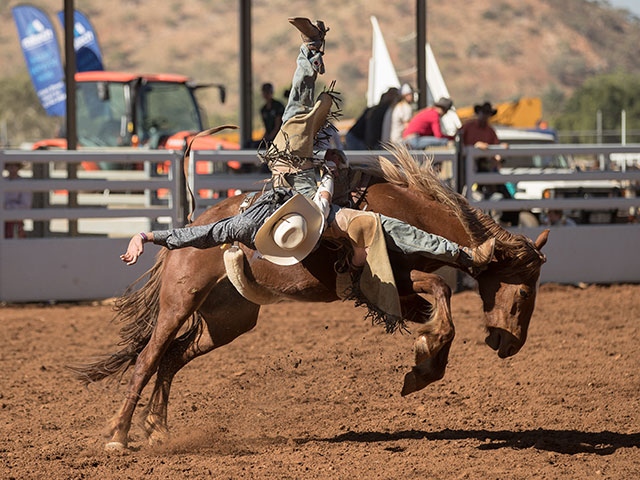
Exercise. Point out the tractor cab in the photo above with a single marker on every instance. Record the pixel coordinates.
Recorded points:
(116, 109)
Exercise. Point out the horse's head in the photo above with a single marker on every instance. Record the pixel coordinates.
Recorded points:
(509, 296)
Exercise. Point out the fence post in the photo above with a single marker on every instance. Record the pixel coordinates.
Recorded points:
(458, 166)
(468, 171)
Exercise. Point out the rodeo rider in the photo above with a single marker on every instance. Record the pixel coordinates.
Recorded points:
(292, 229)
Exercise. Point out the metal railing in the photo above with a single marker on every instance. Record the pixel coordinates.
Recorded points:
(472, 177)
(31, 269)
(223, 182)
(108, 181)
(255, 181)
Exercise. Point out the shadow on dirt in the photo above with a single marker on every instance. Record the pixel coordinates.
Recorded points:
(568, 442)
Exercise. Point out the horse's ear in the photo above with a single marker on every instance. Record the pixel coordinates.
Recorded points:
(542, 239)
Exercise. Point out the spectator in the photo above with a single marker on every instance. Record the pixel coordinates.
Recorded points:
(15, 200)
(398, 116)
(375, 118)
(479, 133)
(271, 113)
(557, 218)
(424, 128)
(355, 135)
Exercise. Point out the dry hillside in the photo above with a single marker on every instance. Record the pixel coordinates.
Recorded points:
(497, 50)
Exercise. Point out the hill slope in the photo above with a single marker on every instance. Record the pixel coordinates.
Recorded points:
(495, 51)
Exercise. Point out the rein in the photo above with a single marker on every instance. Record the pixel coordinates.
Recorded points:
(359, 193)
(185, 159)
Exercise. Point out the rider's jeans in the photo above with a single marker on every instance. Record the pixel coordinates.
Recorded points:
(301, 97)
(407, 239)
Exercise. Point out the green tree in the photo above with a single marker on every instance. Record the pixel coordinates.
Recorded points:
(610, 93)
(20, 108)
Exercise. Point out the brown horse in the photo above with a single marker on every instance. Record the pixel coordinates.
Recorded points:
(192, 284)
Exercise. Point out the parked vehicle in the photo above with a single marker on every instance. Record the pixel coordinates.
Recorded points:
(541, 164)
(116, 109)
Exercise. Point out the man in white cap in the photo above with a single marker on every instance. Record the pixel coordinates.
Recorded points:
(398, 116)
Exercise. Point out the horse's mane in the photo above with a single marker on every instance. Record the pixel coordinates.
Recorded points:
(518, 250)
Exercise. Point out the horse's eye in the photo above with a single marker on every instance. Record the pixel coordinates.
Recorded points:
(524, 293)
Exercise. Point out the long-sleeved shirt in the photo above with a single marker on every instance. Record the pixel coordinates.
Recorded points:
(426, 123)
(241, 227)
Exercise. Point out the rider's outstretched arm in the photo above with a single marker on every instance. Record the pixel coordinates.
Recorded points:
(227, 230)
(239, 228)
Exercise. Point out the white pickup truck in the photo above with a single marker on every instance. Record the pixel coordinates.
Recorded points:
(539, 164)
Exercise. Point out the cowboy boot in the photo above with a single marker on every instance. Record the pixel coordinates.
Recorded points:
(479, 256)
(313, 37)
(312, 33)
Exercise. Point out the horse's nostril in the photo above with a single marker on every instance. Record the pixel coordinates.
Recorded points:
(493, 339)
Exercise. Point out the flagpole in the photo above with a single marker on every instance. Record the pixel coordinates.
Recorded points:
(246, 91)
(421, 51)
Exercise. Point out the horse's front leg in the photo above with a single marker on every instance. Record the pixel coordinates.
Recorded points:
(434, 337)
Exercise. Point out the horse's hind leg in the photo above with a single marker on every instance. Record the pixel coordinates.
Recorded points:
(227, 315)
(434, 337)
(179, 298)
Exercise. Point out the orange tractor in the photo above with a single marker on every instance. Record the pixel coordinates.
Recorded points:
(116, 109)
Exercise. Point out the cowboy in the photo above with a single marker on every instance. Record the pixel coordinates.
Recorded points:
(424, 128)
(279, 225)
(479, 133)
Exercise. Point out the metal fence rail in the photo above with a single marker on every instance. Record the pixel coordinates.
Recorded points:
(172, 183)
(255, 181)
(87, 267)
(473, 177)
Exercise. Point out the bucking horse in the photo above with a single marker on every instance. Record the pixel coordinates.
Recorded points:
(188, 305)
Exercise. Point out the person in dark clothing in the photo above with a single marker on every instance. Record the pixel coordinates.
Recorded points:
(375, 118)
(479, 133)
(355, 136)
(271, 113)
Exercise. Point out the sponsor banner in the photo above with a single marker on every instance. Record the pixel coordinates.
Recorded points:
(85, 43)
(42, 55)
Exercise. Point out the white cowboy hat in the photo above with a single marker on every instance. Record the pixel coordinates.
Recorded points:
(291, 232)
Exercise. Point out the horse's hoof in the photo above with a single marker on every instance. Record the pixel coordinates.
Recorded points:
(156, 439)
(115, 447)
(412, 383)
(409, 384)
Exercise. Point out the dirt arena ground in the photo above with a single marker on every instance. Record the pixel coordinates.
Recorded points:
(314, 392)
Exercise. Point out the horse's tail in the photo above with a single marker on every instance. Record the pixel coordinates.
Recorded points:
(137, 310)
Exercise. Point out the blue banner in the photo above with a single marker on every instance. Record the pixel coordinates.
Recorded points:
(40, 48)
(85, 43)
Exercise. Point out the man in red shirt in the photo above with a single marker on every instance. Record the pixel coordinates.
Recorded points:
(424, 128)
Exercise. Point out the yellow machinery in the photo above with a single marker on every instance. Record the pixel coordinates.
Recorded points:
(523, 113)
